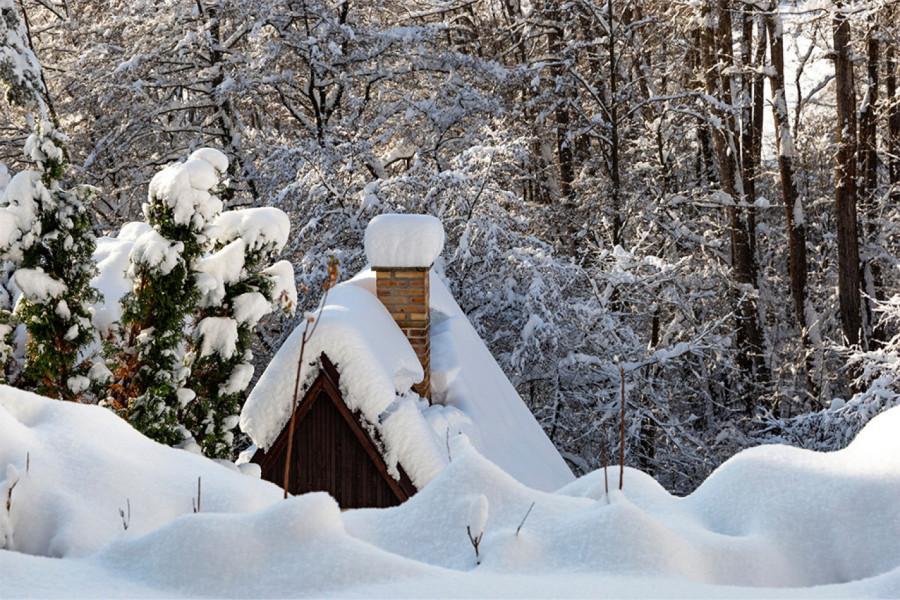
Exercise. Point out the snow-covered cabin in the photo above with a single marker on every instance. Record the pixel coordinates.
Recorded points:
(392, 371)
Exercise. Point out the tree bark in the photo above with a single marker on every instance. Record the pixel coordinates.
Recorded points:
(868, 158)
(893, 118)
(564, 154)
(716, 45)
(793, 206)
(845, 183)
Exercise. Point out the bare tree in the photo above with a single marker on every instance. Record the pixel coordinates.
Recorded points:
(846, 181)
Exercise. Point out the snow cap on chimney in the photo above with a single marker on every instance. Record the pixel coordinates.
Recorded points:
(401, 250)
(404, 240)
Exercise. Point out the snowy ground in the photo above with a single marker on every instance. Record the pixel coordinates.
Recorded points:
(771, 522)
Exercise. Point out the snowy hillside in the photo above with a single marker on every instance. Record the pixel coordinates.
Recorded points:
(773, 521)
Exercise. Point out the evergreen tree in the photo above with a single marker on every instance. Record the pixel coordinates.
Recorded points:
(7, 328)
(239, 291)
(47, 236)
(150, 375)
(20, 71)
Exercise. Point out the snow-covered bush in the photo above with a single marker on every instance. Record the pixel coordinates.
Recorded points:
(878, 378)
(45, 232)
(20, 71)
(238, 288)
(150, 373)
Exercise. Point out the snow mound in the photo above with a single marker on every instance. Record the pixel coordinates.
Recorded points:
(403, 240)
(817, 526)
(771, 522)
(78, 466)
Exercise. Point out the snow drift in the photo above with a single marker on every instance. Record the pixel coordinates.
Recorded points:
(772, 521)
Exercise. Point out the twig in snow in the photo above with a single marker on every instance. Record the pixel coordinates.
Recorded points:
(9, 494)
(197, 502)
(126, 517)
(605, 473)
(475, 541)
(447, 441)
(523, 519)
(622, 431)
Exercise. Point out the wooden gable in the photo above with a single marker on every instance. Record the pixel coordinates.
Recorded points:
(333, 452)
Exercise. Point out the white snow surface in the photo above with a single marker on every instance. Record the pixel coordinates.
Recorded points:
(18, 213)
(223, 268)
(218, 335)
(771, 522)
(377, 368)
(403, 240)
(250, 307)
(86, 464)
(153, 251)
(214, 157)
(264, 227)
(185, 187)
(111, 256)
(37, 286)
(375, 361)
(285, 288)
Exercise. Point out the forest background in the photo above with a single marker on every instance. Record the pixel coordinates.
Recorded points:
(699, 197)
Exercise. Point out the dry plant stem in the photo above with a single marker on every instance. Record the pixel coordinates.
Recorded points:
(477, 540)
(9, 495)
(522, 523)
(622, 431)
(197, 504)
(287, 461)
(605, 473)
(307, 334)
(126, 520)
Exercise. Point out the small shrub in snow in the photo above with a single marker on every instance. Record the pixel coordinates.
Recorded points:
(478, 513)
(46, 234)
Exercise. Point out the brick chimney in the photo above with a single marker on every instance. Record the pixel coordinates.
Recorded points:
(401, 250)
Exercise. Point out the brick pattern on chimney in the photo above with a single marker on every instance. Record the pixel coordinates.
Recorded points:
(404, 291)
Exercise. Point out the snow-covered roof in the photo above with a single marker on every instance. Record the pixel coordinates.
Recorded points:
(378, 367)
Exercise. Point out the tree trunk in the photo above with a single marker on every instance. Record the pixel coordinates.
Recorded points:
(845, 183)
(893, 117)
(716, 45)
(793, 207)
(614, 174)
(868, 158)
(750, 135)
(564, 155)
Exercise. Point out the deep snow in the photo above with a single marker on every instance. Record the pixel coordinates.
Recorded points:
(771, 522)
